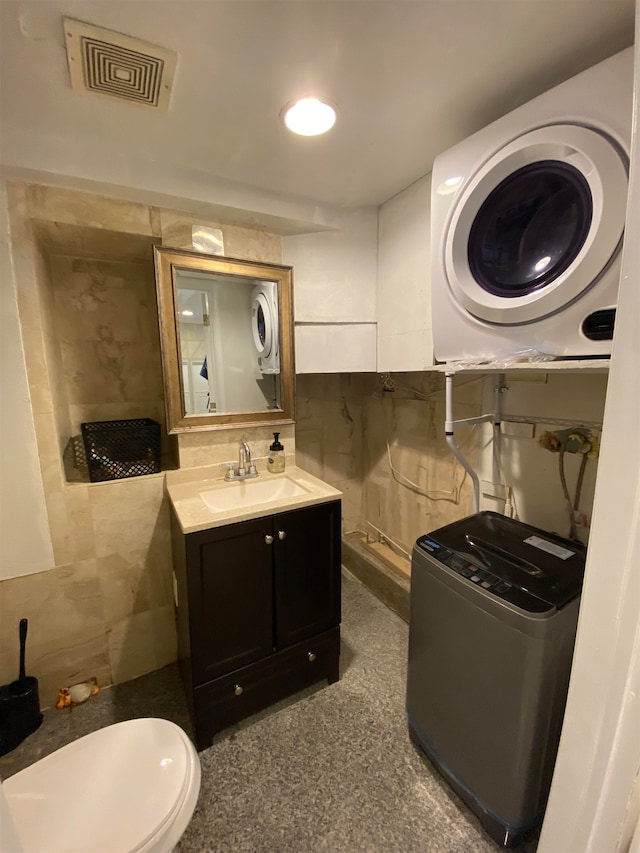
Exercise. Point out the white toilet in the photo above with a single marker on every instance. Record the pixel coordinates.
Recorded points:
(129, 787)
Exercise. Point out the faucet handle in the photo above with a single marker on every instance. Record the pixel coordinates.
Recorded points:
(230, 475)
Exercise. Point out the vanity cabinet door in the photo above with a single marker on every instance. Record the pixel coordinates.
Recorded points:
(230, 580)
(307, 572)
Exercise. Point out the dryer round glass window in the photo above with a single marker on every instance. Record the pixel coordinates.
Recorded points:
(530, 229)
(262, 324)
(261, 328)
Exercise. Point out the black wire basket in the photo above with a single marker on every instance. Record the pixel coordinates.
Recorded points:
(119, 449)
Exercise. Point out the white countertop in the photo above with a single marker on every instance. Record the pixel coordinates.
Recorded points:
(193, 513)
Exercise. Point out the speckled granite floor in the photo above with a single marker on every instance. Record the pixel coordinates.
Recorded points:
(331, 769)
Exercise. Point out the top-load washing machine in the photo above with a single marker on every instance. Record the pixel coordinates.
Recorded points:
(264, 326)
(527, 220)
(494, 610)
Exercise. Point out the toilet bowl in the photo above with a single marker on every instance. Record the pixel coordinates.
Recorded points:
(131, 786)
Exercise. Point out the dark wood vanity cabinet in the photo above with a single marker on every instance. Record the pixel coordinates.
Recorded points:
(258, 612)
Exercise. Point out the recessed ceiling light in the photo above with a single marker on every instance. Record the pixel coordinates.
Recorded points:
(187, 313)
(309, 117)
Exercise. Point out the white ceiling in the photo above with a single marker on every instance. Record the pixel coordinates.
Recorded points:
(410, 78)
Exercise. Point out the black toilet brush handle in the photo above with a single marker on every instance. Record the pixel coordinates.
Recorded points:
(23, 643)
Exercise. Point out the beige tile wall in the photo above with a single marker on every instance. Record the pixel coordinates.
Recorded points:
(91, 344)
(240, 241)
(405, 429)
(67, 641)
(207, 448)
(344, 423)
(106, 322)
(106, 609)
(329, 439)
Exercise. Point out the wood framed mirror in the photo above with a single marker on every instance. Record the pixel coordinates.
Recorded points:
(226, 333)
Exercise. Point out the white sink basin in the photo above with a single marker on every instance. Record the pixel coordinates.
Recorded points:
(248, 493)
(207, 501)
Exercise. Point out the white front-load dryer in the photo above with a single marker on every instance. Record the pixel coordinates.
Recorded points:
(527, 221)
(264, 326)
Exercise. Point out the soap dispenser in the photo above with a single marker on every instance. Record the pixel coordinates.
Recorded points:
(276, 456)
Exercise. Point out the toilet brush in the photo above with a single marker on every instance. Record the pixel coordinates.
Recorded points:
(20, 712)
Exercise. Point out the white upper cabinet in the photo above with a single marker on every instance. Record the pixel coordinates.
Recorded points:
(362, 289)
(404, 298)
(334, 280)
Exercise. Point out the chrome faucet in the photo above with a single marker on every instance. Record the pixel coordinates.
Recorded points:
(244, 458)
(246, 468)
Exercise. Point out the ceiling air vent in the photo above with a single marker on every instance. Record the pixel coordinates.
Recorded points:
(112, 64)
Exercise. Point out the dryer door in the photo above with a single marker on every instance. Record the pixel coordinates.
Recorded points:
(537, 225)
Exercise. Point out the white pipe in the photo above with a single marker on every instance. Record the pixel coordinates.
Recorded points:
(449, 430)
(398, 549)
(448, 403)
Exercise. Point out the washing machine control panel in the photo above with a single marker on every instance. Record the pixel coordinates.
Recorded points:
(485, 580)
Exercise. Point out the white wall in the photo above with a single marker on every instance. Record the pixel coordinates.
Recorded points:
(405, 340)
(592, 807)
(25, 542)
(529, 469)
(335, 271)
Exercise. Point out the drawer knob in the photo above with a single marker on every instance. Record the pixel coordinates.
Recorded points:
(238, 690)
(268, 539)
(311, 656)
(282, 535)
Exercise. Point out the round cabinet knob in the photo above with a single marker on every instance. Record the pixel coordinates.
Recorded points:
(268, 539)
(311, 656)
(238, 690)
(282, 534)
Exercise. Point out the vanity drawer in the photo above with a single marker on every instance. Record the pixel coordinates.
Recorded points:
(245, 691)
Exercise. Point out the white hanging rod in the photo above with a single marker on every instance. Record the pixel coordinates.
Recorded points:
(481, 419)
(527, 419)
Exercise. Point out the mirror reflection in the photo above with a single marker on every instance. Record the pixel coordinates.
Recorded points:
(229, 342)
(226, 340)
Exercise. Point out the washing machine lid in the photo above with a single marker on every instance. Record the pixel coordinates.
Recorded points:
(536, 224)
(509, 553)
